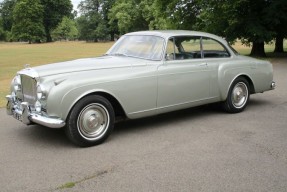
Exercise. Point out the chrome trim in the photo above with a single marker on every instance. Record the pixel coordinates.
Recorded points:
(28, 117)
(25, 113)
(46, 121)
(29, 72)
(273, 85)
(9, 107)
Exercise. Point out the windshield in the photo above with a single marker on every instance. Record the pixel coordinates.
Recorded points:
(144, 47)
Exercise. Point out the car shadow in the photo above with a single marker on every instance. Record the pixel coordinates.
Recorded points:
(258, 102)
(39, 135)
(162, 120)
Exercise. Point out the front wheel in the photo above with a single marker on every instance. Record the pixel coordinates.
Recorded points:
(91, 121)
(238, 96)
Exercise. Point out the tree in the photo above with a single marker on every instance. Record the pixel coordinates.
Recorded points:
(112, 27)
(93, 23)
(6, 13)
(2, 32)
(6, 19)
(28, 20)
(246, 20)
(277, 15)
(174, 14)
(129, 15)
(66, 30)
(54, 11)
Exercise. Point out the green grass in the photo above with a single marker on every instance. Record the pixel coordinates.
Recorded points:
(13, 56)
(67, 185)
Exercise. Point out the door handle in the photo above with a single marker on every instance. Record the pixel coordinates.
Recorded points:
(203, 64)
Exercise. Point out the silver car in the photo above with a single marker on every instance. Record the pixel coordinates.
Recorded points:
(143, 74)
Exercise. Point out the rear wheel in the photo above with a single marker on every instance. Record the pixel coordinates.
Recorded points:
(238, 96)
(91, 121)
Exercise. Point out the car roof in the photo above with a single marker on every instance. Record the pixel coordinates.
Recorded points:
(169, 33)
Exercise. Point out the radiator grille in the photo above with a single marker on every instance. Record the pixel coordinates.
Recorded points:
(29, 89)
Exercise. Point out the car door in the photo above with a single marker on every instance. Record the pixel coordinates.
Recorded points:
(183, 79)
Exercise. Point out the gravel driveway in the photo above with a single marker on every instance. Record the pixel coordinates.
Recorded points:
(199, 149)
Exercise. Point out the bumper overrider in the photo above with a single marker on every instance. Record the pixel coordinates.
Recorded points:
(273, 85)
(24, 114)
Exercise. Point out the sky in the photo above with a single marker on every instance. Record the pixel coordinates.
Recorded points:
(74, 2)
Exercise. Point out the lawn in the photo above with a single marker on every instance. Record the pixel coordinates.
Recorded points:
(13, 57)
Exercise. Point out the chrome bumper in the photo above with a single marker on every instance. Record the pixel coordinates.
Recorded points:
(24, 114)
(273, 85)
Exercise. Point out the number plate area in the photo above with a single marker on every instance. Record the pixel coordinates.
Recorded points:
(17, 116)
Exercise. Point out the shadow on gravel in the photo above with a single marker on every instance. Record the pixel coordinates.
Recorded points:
(39, 136)
(163, 120)
(258, 102)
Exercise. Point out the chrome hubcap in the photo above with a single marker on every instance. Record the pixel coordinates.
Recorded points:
(93, 121)
(239, 95)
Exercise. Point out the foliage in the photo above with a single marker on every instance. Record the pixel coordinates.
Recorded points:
(6, 13)
(277, 17)
(250, 21)
(253, 22)
(2, 32)
(174, 14)
(66, 30)
(28, 21)
(54, 11)
(6, 19)
(93, 22)
(129, 15)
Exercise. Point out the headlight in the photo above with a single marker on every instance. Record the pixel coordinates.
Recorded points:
(41, 92)
(17, 83)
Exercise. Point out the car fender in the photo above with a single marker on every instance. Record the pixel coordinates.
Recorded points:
(228, 72)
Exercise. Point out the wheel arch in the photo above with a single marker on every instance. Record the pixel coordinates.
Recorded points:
(245, 76)
(118, 109)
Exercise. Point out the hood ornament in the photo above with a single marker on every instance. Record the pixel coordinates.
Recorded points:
(27, 66)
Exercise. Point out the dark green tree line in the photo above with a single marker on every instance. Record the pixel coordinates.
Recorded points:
(54, 11)
(23, 18)
(254, 22)
(32, 28)
(93, 23)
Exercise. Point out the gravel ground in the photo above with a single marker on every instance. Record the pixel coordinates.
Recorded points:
(199, 149)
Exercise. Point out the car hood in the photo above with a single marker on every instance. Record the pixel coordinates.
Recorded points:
(88, 64)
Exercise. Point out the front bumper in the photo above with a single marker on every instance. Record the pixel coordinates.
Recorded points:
(24, 114)
(273, 85)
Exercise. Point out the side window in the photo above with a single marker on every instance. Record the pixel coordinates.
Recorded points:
(213, 49)
(183, 47)
(171, 50)
(191, 47)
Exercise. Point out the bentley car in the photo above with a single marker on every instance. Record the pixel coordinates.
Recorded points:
(142, 74)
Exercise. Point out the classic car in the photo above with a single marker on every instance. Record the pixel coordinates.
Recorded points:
(142, 74)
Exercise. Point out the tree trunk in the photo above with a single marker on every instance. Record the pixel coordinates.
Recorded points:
(258, 49)
(48, 38)
(112, 36)
(48, 35)
(279, 44)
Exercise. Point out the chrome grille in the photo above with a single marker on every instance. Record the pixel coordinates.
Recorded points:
(29, 89)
